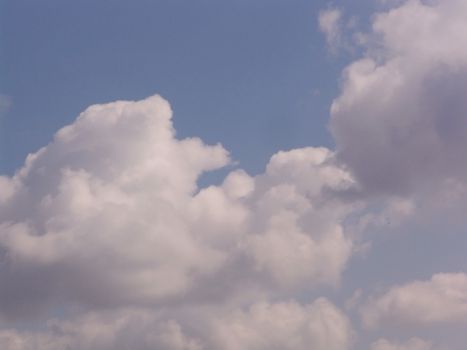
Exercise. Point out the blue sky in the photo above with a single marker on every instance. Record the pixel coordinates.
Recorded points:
(256, 71)
(308, 191)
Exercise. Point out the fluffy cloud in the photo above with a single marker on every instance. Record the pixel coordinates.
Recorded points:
(108, 218)
(287, 325)
(411, 344)
(284, 326)
(107, 227)
(105, 207)
(297, 226)
(400, 121)
(440, 300)
(138, 330)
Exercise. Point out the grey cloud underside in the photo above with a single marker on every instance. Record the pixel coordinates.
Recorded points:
(107, 242)
(401, 120)
(286, 325)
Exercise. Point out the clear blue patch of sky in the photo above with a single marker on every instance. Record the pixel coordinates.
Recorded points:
(252, 74)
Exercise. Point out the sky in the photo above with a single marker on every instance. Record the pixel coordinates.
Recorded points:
(228, 68)
(233, 174)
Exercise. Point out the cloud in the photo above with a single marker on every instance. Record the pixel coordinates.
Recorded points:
(411, 344)
(105, 206)
(138, 330)
(300, 237)
(108, 220)
(399, 122)
(107, 227)
(285, 325)
(440, 300)
(329, 22)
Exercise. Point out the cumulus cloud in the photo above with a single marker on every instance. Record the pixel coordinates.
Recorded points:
(104, 207)
(440, 300)
(400, 120)
(411, 344)
(112, 202)
(108, 216)
(138, 330)
(298, 227)
(107, 226)
(286, 325)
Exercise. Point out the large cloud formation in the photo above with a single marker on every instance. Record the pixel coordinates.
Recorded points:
(108, 242)
(109, 215)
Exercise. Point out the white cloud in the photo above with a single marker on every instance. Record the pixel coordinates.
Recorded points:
(7, 189)
(136, 330)
(411, 344)
(299, 236)
(288, 325)
(440, 300)
(285, 325)
(108, 216)
(108, 219)
(107, 205)
(399, 122)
